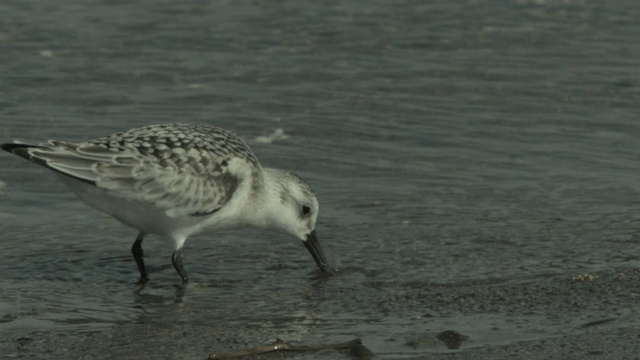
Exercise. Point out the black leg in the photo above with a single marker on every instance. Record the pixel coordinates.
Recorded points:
(136, 249)
(177, 263)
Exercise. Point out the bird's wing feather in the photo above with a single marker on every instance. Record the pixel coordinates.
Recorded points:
(182, 182)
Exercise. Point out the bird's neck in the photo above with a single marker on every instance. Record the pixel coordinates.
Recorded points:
(268, 204)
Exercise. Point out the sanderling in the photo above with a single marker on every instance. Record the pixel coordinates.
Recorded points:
(179, 180)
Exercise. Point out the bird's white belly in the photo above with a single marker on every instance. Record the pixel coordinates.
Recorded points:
(137, 214)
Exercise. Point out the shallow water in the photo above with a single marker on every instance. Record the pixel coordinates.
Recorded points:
(470, 159)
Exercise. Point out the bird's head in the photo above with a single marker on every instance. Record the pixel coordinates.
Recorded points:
(295, 212)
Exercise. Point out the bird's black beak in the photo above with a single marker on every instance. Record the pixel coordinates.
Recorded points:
(311, 242)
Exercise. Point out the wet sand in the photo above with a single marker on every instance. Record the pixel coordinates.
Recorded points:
(577, 316)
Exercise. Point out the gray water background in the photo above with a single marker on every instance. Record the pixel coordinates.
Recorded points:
(449, 143)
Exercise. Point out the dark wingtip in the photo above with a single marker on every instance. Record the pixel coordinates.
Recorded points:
(22, 150)
(18, 149)
(10, 147)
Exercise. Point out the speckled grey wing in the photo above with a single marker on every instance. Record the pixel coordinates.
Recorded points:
(61, 157)
(181, 181)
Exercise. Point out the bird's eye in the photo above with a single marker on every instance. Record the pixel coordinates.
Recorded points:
(306, 210)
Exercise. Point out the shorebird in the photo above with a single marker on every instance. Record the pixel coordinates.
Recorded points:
(180, 180)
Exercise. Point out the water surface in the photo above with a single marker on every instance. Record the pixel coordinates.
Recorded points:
(471, 158)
